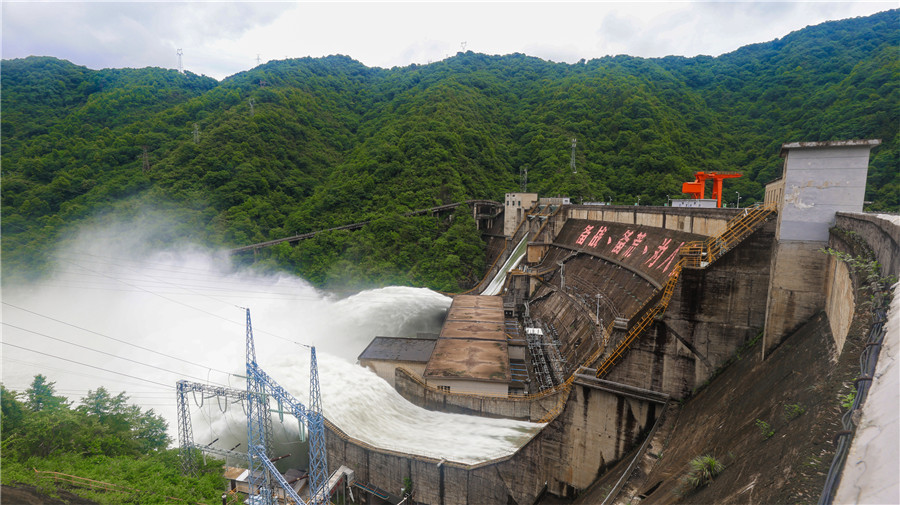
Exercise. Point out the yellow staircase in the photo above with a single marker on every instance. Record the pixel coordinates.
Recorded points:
(693, 255)
(701, 254)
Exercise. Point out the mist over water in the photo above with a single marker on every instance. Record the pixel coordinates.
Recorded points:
(182, 307)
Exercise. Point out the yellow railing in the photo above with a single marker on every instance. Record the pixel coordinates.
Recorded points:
(75, 480)
(642, 323)
(701, 254)
(693, 255)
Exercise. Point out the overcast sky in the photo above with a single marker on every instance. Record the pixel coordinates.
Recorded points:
(219, 39)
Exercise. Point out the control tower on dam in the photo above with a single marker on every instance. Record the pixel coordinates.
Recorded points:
(617, 313)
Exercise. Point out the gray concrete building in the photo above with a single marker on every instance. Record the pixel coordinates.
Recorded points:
(384, 354)
(819, 180)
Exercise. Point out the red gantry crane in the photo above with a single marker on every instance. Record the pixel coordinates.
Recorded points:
(697, 188)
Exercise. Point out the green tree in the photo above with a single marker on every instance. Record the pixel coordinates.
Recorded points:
(41, 395)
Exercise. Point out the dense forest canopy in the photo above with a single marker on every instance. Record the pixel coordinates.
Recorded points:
(303, 144)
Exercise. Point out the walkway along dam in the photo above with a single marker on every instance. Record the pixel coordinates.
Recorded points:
(623, 315)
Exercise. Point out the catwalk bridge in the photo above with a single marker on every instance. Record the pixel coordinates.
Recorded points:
(491, 206)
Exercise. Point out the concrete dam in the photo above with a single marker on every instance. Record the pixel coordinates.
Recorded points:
(618, 319)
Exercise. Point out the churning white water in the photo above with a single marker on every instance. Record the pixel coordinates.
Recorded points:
(140, 323)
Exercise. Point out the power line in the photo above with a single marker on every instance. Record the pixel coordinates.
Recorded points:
(169, 386)
(96, 350)
(114, 339)
(44, 367)
(182, 303)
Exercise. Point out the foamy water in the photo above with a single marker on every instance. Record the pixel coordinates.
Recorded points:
(186, 306)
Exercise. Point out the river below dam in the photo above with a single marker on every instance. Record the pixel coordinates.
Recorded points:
(141, 323)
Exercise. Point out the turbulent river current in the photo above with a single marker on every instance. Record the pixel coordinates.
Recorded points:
(140, 323)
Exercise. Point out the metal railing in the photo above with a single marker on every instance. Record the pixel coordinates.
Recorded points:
(694, 255)
(97, 485)
(701, 254)
(643, 322)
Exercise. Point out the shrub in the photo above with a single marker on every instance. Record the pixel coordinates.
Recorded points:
(848, 399)
(764, 428)
(702, 471)
(793, 411)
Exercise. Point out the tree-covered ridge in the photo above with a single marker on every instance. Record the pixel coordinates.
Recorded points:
(304, 144)
(103, 439)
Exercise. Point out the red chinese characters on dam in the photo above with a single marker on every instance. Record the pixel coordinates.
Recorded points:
(653, 252)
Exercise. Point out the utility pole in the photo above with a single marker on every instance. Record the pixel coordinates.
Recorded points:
(739, 199)
(523, 178)
(573, 156)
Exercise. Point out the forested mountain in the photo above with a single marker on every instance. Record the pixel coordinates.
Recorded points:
(304, 144)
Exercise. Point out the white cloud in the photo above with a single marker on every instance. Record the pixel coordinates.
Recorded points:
(223, 38)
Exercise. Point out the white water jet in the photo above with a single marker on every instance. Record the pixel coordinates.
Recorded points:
(514, 259)
(186, 307)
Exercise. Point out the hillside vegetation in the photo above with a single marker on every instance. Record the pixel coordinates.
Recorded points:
(103, 439)
(303, 144)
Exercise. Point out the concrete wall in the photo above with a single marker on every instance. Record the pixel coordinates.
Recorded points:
(386, 369)
(471, 386)
(820, 179)
(797, 291)
(706, 222)
(865, 236)
(524, 409)
(712, 313)
(597, 427)
(818, 182)
(881, 232)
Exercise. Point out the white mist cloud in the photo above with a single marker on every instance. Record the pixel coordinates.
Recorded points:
(119, 314)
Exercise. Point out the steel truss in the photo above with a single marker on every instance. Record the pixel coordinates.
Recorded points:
(263, 476)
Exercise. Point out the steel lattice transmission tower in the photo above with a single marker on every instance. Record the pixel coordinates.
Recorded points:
(263, 474)
(318, 460)
(185, 435)
(257, 421)
(180, 66)
(264, 477)
(573, 156)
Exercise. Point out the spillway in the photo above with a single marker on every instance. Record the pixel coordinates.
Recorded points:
(496, 284)
(183, 310)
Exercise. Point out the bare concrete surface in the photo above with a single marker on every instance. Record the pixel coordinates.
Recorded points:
(723, 420)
